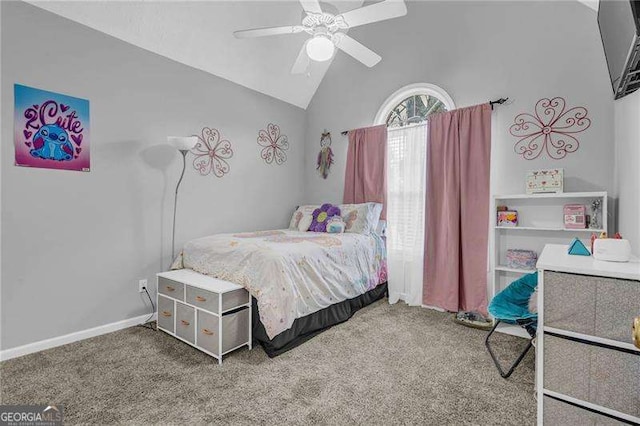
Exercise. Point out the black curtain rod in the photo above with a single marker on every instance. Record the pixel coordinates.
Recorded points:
(491, 103)
(498, 101)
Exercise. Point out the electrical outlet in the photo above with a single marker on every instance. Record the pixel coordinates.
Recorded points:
(142, 284)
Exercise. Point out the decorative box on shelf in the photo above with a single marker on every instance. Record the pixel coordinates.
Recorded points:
(544, 181)
(575, 216)
(508, 218)
(521, 259)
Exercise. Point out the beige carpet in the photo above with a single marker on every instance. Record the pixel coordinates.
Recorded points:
(387, 365)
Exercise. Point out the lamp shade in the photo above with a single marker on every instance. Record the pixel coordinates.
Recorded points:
(182, 143)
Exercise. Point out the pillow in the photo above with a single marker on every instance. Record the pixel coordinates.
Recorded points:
(381, 229)
(305, 223)
(322, 215)
(361, 218)
(301, 211)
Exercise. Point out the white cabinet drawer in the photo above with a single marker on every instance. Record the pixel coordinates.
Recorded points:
(602, 376)
(560, 413)
(235, 331)
(186, 322)
(234, 299)
(165, 313)
(595, 306)
(208, 337)
(203, 299)
(208, 300)
(171, 288)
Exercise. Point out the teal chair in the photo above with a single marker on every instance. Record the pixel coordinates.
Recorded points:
(511, 306)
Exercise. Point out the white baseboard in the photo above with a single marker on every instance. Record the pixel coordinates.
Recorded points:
(72, 337)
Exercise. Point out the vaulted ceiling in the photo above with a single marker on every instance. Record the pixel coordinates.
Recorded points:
(200, 34)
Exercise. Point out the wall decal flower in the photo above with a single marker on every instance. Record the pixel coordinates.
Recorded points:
(549, 129)
(274, 144)
(211, 153)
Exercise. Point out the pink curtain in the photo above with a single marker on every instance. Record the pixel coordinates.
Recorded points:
(366, 176)
(457, 206)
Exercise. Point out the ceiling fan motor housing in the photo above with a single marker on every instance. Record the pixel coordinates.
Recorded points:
(315, 22)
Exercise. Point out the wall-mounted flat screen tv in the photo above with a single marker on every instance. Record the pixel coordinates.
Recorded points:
(620, 29)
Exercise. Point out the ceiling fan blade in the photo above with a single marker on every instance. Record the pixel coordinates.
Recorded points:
(262, 32)
(386, 9)
(357, 50)
(311, 6)
(301, 64)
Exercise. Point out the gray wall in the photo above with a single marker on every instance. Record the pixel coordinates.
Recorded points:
(476, 52)
(627, 168)
(75, 244)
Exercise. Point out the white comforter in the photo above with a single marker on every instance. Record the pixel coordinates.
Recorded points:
(291, 274)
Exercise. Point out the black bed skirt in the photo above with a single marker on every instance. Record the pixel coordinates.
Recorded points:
(305, 328)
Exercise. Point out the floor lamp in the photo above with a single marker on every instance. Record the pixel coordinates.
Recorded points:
(182, 144)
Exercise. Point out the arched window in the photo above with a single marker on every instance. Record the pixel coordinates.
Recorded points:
(413, 104)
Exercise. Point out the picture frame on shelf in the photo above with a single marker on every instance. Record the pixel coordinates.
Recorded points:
(544, 181)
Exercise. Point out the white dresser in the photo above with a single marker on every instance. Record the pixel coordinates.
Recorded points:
(211, 315)
(587, 366)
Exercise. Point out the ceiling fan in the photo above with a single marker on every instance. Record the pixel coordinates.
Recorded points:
(328, 31)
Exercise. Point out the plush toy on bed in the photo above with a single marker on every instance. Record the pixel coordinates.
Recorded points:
(321, 216)
(336, 225)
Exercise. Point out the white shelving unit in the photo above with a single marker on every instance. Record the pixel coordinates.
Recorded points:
(540, 222)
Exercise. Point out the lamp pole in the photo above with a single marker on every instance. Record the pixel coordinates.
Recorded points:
(175, 204)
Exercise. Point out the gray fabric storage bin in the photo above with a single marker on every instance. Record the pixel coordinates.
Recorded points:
(570, 302)
(559, 413)
(617, 304)
(235, 329)
(204, 299)
(185, 322)
(234, 298)
(207, 333)
(602, 376)
(596, 306)
(165, 313)
(171, 288)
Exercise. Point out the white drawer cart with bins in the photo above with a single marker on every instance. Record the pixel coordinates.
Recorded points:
(212, 315)
(588, 351)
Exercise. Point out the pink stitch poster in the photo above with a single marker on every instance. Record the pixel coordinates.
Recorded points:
(51, 130)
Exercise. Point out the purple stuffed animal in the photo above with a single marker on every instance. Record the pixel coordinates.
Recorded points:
(321, 217)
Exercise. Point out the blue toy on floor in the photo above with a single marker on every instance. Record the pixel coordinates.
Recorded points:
(511, 306)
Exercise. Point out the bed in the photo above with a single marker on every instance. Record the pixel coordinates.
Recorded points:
(301, 282)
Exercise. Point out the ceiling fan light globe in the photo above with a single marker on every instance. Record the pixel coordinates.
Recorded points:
(320, 49)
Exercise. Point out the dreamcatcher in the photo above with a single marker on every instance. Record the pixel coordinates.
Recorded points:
(325, 156)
